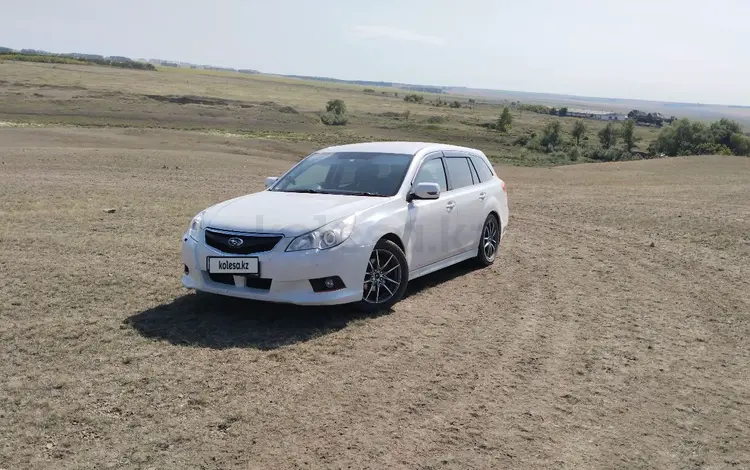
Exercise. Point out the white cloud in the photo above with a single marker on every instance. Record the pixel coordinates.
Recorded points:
(387, 32)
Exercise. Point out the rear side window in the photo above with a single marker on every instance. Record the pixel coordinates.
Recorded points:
(459, 171)
(485, 174)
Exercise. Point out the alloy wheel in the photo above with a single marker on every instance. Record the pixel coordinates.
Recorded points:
(490, 239)
(382, 277)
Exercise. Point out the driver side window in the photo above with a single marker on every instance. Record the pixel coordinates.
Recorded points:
(432, 171)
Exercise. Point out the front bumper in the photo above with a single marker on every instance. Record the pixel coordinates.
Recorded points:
(289, 273)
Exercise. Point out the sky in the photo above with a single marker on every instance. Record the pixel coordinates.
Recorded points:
(664, 50)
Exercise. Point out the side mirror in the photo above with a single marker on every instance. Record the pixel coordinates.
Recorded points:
(270, 181)
(425, 191)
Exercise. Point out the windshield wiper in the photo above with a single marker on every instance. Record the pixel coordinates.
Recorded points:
(363, 193)
(306, 191)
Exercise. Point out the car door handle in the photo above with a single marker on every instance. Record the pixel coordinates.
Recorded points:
(482, 196)
(450, 205)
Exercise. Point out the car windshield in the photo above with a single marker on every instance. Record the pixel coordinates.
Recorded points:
(347, 173)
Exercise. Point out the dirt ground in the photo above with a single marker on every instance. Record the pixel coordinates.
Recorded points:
(612, 332)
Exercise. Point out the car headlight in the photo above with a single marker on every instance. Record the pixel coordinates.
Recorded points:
(325, 237)
(196, 224)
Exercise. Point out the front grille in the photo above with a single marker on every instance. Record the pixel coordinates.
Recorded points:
(250, 281)
(250, 243)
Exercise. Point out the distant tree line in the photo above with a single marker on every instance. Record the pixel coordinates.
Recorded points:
(76, 60)
(685, 137)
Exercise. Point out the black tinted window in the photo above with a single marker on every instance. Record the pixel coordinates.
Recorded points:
(484, 171)
(459, 171)
(432, 172)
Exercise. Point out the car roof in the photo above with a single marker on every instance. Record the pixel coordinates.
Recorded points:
(411, 148)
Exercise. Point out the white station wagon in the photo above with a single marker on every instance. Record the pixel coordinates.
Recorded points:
(351, 223)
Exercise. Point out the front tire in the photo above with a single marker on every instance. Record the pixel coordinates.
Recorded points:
(386, 276)
(489, 241)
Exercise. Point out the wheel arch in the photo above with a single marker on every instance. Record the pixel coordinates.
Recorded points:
(495, 214)
(395, 239)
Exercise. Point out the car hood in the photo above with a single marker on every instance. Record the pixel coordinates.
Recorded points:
(291, 214)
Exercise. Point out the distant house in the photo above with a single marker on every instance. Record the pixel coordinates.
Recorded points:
(650, 119)
(612, 117)
(595, 114)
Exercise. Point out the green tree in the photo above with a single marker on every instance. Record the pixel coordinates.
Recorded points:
(563, 112)
(551, 136)
(739, 144)
(505, 121)
(336, 107)
(627, 131)
(335, 114)
(608, 136)
(579, 130)
(722, 131)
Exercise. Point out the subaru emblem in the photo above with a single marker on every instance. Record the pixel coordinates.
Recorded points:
(235, 242)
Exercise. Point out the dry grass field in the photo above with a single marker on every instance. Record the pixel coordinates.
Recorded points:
(259, 106)
(612, 332)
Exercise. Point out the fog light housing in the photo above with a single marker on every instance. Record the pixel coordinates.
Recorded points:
(326, 284)
(186, 270)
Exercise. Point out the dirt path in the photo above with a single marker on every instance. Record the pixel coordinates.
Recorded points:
(582, 347)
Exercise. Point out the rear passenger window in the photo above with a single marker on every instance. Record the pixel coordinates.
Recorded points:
(459, 171)
(484, 171)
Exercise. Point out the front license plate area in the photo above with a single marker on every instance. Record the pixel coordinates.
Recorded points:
(246, 265)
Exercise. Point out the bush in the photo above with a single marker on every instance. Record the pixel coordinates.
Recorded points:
(288, 110)
(336, 107)
(368, 90)
(558, 155)
(522, 140)
(436, 119)
(534, 108)
(611, 154)
(551, 136)
(574, 154)
(414, 98)
(333, 119)
(455, 104)
(335, 114)
(535, 145)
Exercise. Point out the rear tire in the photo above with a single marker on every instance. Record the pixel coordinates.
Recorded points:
(489, 241)
(386, 276)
